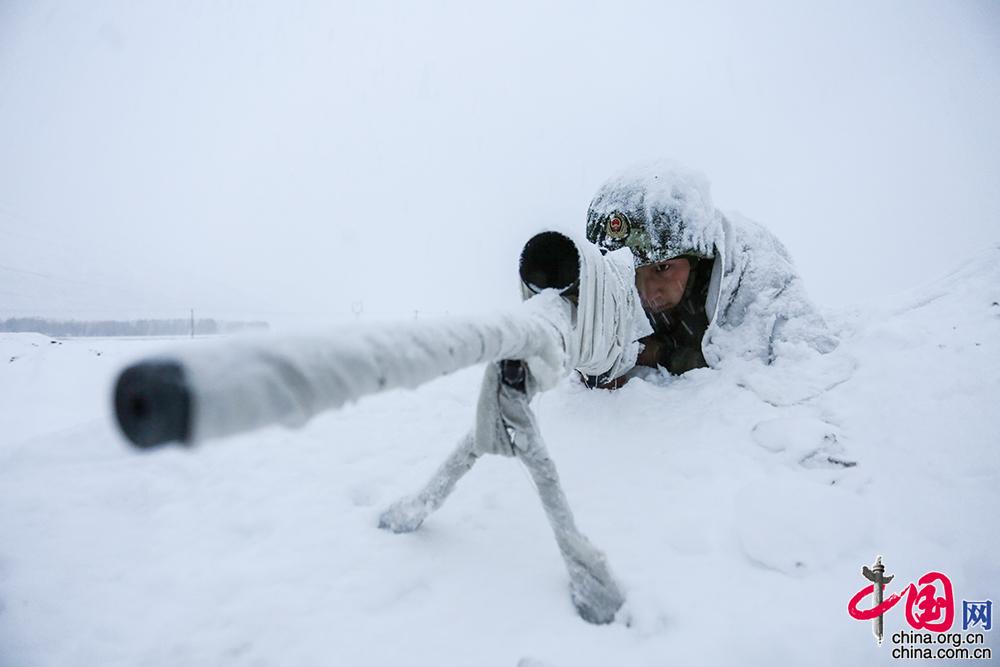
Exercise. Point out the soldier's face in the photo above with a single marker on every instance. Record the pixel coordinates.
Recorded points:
(661, 286)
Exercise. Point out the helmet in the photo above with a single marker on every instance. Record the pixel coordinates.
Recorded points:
(659, 210)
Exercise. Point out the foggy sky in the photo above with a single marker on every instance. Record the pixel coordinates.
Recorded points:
(296, 162)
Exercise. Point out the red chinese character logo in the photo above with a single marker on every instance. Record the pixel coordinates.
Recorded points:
(925, 608)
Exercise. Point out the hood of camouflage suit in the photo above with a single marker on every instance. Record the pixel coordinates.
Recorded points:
(660, 210)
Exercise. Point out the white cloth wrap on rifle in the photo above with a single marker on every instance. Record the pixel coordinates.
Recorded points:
(610, 314)
(603, 340)
(242, 383)
(609, 320)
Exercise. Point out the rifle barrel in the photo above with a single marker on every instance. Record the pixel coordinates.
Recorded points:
(212, 389)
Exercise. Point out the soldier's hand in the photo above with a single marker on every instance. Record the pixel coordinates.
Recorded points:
(592, 381)
(649, 355)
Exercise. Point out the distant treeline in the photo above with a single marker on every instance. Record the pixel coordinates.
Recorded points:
(177, 327)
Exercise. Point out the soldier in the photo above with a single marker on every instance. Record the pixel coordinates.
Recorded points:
(712, 286)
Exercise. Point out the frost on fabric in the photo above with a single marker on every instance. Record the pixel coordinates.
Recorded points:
(609, 318)
(764, 311)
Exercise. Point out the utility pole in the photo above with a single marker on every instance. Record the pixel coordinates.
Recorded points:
(192, 323)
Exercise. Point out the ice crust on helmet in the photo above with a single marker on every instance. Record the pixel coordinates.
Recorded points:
(643, 190)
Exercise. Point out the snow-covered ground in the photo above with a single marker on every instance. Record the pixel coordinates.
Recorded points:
(722, 498)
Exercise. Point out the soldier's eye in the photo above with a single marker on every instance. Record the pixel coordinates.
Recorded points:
(662, 267)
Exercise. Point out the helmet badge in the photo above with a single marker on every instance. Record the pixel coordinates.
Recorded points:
(618, 226)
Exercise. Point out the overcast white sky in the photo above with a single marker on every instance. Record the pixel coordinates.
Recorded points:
(287, 160)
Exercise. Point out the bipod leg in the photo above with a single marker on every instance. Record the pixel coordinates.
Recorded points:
(406, 514)
(593, 589)
(489, 436)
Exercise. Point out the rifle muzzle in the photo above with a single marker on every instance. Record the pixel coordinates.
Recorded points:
(550, 260)
(153, 404)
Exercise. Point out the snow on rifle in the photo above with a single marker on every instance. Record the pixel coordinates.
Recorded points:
(211, 389)
(581, 311)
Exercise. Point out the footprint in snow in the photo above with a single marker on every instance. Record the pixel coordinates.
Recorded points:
(796, 527)
(811, 443)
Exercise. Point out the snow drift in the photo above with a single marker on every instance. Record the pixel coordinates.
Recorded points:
(737, 504)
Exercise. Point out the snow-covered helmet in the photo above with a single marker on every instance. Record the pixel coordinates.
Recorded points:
(659, 210)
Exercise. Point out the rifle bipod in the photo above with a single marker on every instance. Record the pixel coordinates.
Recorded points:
(506, 425)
